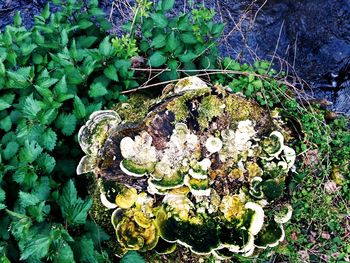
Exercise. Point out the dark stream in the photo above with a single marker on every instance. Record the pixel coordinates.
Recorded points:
(310, 38)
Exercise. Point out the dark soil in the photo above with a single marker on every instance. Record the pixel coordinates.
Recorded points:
(311, 38)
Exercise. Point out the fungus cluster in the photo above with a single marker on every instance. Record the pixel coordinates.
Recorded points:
(210, 179)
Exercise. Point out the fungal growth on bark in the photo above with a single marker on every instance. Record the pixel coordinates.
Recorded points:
(205, 169)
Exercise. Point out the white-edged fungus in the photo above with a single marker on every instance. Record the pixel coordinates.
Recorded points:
(213, 144)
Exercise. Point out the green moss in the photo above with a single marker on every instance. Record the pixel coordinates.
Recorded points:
(209, 108)
(135, 109)
(239, 108)
(179, 108)
(178, 105)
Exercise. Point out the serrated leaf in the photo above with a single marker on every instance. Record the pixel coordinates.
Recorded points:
(48, 139)
(17, 20)
(97, 89)
(158, 41)
(84, 250)
(27, 49)
(84, 24)
(187, 57)
(64, 254)
(74, 209)
(188, 38)
(31, 107)
(2, 195)
(106, 48)
(4, 105)
(67, 123)
(27, 199)
(132, 257)
(30, 151)
(20, 76)
(6, 124)
(10, 150)
(46, 163)
(160, 20)
(7, 38)
(46, 11)
(95, 232)
(172, 42)
(157, 59)
(2, 69)
(64, 37)
(61, 86)
(86, 41)
(218, 29)
(48, 116)
(79, 108)
(167, 4)
(38, 248)
(111, 73)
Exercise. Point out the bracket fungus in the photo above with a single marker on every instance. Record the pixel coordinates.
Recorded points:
(203, 170)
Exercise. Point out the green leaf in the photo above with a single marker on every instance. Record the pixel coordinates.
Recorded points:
(27, 199)
(257, 83)
(132, 257)
(173, 64)
(20, 76)
(86, 41)
(160, 20)
(46, 12)
(97, 89)
(31, 107)
(79, 108)
(84, 250)
(74, 209)
(188, 38)
(95, 232)
(184, 23)
(218, 29)
(84, 24)
(30, 151)
(172, 42)
(64, 37)
(10, 150)
(46, 163)
(4, 105)
(187, 57)
(28, 49)
(12, 58)
(111, 73)
(67, 123)
(61, 86)
(157, 59)
(158, 41)
(64, 254)
(106, 48)
(17, 20)
(6, 124)
(7, 38)
(48, 116)
(48, 139)
(38, 248)
(2, 69)
(167, 4)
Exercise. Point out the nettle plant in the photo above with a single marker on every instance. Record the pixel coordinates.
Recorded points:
(205, 169)
(185, 41)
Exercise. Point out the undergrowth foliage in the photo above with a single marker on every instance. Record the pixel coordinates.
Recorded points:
(55, 74)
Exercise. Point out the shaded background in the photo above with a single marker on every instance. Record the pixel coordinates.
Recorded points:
(309, 38)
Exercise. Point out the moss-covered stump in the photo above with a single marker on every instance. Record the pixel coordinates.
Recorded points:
(198, 173)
